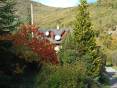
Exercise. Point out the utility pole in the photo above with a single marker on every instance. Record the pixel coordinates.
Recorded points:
(31, 14)
(32, 18)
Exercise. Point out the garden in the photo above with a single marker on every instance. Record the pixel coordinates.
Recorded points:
(28, 59)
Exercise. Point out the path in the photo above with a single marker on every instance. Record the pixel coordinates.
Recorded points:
(112, 76)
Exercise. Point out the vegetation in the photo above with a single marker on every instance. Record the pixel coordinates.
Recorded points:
(83, 45)
(18, 52)
(80, 45)
(67, 75)
(21, 54)
(44, 20)
(30, 59)
(102, 16)
(37, 43)
(8, 21)
(84, 38)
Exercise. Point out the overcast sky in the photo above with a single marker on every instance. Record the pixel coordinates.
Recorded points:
(61, 3)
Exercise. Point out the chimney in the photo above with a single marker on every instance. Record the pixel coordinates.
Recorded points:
(58, 27)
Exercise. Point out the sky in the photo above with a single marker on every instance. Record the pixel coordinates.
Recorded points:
(61, 3)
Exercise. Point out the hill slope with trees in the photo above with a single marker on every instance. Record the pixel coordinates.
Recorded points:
(103, 14)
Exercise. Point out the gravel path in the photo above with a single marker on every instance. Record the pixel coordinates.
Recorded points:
(112, 76)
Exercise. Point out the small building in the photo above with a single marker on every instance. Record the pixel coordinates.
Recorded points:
(56, 36)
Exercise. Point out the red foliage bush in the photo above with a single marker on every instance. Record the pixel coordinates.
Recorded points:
(30, 36)
(37, 42)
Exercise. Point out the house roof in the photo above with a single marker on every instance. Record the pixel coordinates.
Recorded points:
(56, 32)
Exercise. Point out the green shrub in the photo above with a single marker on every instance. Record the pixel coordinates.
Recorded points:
(68, 53)
(65, 76)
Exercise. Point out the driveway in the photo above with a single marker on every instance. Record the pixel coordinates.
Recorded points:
(112, 76)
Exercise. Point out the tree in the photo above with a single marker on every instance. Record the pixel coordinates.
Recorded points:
(8, 21)
(84, 37)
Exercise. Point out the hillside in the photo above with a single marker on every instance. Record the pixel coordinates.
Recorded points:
(22, 8)
(102, 16)
(48, 17)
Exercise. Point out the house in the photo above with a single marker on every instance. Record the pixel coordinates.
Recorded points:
(56, 36)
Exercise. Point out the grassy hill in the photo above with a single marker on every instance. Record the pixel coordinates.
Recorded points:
(22, 8)
(48, 17)
(103, 16)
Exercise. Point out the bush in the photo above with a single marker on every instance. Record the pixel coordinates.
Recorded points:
(66, 76)
(36, 42)
(14, 62)
(16, 71)
(68, 53)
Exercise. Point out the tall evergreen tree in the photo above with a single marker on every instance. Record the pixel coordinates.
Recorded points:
(84, 36)
(85, 42)
(8, 20)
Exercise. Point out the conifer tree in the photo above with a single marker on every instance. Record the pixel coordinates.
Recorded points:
(8, 20)
(84, 37)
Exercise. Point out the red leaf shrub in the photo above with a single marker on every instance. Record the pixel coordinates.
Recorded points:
(38, 43)
(30, 36)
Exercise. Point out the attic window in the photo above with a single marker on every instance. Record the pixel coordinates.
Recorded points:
(57, 37)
